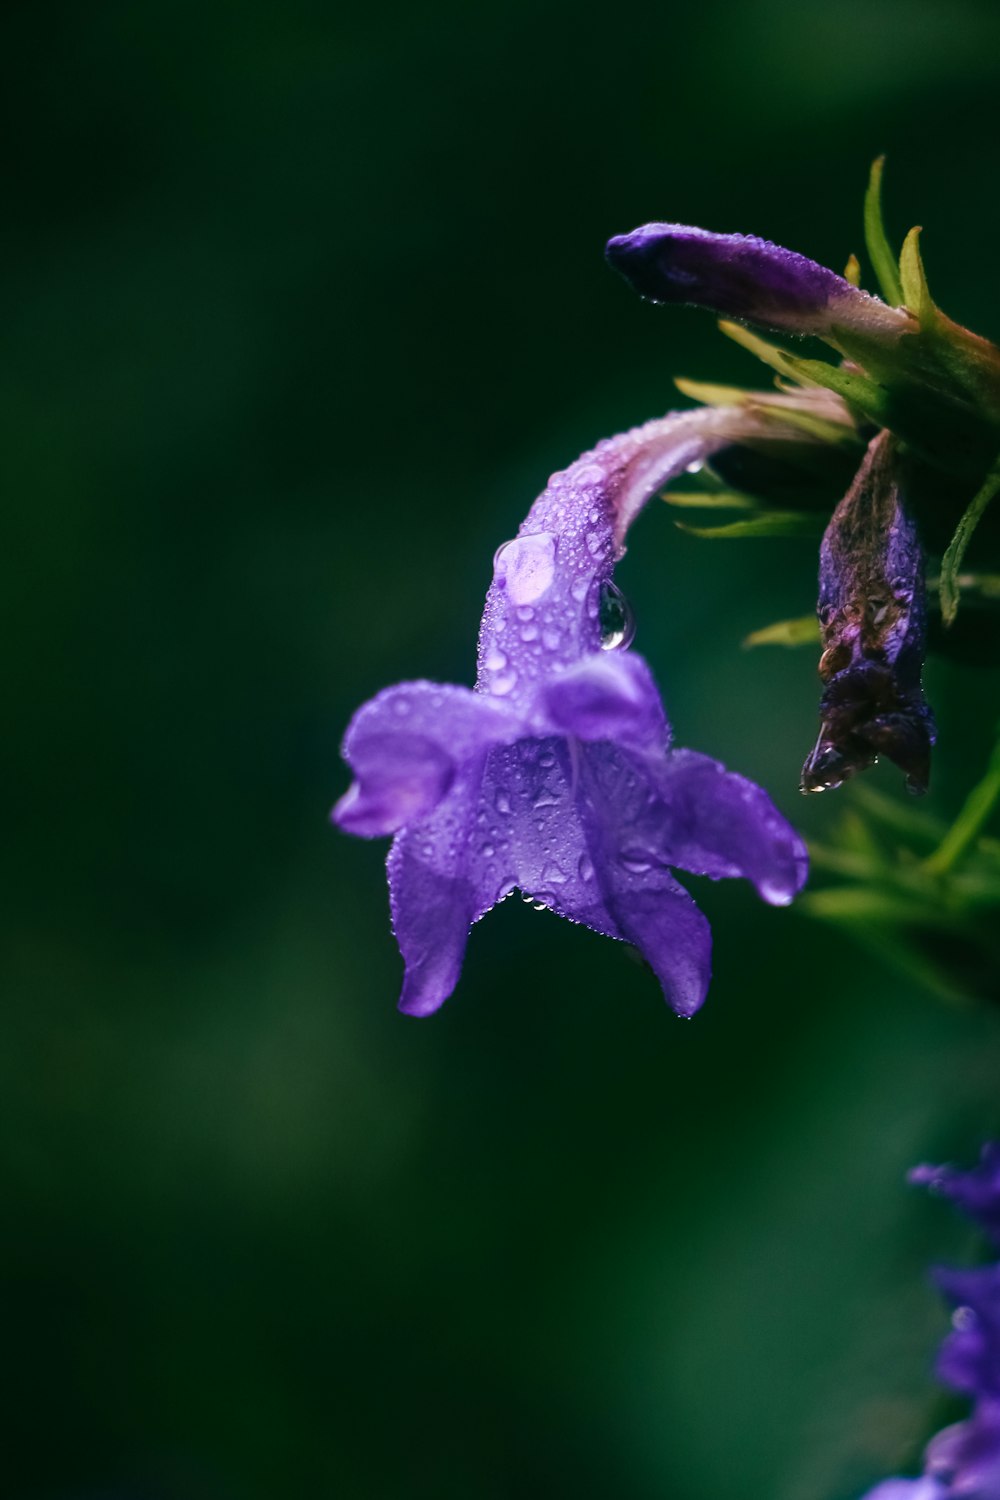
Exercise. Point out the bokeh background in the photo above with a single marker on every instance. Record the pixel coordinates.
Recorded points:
(300, 306)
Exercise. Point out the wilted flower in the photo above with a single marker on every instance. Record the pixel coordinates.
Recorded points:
(872, 612)
(555, 774)
(963, 1461)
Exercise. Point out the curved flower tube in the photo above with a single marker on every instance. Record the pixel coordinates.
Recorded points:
(555, 774)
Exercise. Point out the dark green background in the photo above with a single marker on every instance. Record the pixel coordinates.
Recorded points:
(300, 306)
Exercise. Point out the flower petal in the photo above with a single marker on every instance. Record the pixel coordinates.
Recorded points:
(712, 822)
(439, 884)
(608, 696)
(405, 747)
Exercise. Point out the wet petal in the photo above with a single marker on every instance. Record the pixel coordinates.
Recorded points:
(405, 748)
(439, 884)
(608, 696)
(641, 897)
(712, 822)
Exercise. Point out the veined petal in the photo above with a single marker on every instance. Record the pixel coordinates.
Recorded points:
(746, 277)
(712, 822)
(405, 746)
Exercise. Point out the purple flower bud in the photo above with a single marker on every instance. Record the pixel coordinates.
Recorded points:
(872, 614)
(745, 277)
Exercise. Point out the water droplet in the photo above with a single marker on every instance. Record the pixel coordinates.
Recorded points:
(504, 682)
(502, 802)
(595, 543)
(636, 861)
(542, 902)
(617, 621)
(526, 612)
(554, 874)
(545, 798)
(547, 759)
(529, 632)
(402, 707)
(580, 587)
(502, 548)
(586, 867)
(694, 468)
(963, 1318)
(551, 639)
(495, 660)
(487, 851)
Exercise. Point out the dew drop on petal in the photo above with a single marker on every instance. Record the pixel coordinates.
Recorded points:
(500, 549)
(636, 861)
(504, 682)
(580, 587)
(554, 874)
(586, 867)
(617, 620)
(502, 802)
(495, 660)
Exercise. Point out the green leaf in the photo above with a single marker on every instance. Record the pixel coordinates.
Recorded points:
(877, 242)
(856, 389)
(710, 500)
(802, 631)
(971, 820)
(916, 295)
(765, 523)
(712, 395)
(852, 271)
(949, 588)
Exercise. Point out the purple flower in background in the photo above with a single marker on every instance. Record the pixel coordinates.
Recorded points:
(555, 774)
(746, 277)
(963, 1461)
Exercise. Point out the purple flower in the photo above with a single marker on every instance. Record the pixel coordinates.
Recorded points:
(976, 1192)
(746, 277)
(963, 1461)
(555, 774)
(872, 614)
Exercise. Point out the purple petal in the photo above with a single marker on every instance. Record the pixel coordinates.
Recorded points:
(405, 747)
(746, 277)
(642, 898)
(967, 1455)
(439, 884)
(969, 1358)
(608, 696)
(713, 822)
(908, 1489)
(977, 1192)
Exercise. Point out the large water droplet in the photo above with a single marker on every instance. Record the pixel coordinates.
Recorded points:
(586, 867)
(503, 682)
(545, 798)
(554, 874)
(502, 547)
(495, 660)
(502, 802)
(617, 620)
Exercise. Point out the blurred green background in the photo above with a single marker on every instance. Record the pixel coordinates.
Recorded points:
(301, 305)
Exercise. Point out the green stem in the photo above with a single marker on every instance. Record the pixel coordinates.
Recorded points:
(970, 821)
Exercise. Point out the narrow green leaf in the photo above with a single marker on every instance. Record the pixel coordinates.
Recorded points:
(949, 588)
(877, 242)
(712, 395)
(766, 523)
(916, 295)
(852, 271)
(710, 500)
(824, 429)
(902, 819)
(860, 392)
(803, 631)
(968, 825)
